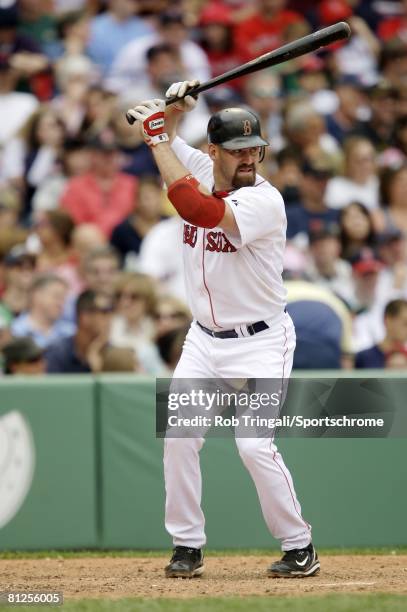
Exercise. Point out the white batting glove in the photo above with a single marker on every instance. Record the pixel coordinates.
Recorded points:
(178, 89)
(151, 113)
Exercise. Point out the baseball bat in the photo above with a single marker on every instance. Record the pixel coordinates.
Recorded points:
(306, 44)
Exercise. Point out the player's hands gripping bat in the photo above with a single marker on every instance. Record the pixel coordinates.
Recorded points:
(151, 114)
(177, 90)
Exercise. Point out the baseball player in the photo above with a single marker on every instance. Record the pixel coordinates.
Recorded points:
(233, 242)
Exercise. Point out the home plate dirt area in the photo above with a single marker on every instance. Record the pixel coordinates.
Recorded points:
(103, 577)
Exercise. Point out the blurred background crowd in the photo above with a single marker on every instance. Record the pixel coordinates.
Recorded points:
(90, 248)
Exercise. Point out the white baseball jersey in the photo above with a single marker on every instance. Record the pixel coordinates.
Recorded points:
(234, 280)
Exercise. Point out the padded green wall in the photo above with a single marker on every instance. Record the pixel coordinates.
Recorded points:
(60, 510)
(99, 476)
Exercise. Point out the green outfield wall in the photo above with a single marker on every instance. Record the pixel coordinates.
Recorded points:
(59, 509)
(92, 475)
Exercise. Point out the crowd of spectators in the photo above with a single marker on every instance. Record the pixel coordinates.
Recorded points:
(90, 248)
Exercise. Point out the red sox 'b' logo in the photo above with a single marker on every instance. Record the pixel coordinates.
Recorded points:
(247, 127)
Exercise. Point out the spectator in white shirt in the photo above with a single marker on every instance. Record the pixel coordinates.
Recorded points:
(367, 304)
(325, 267)
(133, 324)
(15, 108)
(359, 55)
(359, 181)
(74, 159)
(161, 256)
(74, 74)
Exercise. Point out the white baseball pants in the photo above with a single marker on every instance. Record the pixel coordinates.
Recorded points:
(268, 354)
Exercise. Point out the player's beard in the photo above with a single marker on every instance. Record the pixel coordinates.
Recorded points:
(246, 179)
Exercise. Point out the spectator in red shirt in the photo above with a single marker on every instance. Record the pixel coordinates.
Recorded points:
(396, 27)
(217, 40)
(104, 195)
(265, 30)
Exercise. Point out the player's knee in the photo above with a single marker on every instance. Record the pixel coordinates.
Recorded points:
(248, 448)
(252, 449)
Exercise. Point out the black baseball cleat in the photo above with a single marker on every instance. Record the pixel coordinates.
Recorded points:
(296, 563)
(185, 563)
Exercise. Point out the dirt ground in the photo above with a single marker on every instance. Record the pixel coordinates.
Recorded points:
(228, 576)
(224, 576)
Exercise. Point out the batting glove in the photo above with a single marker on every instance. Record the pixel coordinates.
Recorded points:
(187, 103)
(151, 114)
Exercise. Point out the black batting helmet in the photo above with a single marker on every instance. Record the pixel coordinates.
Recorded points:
(235, 128)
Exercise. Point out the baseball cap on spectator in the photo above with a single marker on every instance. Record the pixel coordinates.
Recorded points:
(21, 350)
(366, 262)
(331, 11)
(18, 255)
(321, 230)
(216, 13)
(103, 141)
(319, 168)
